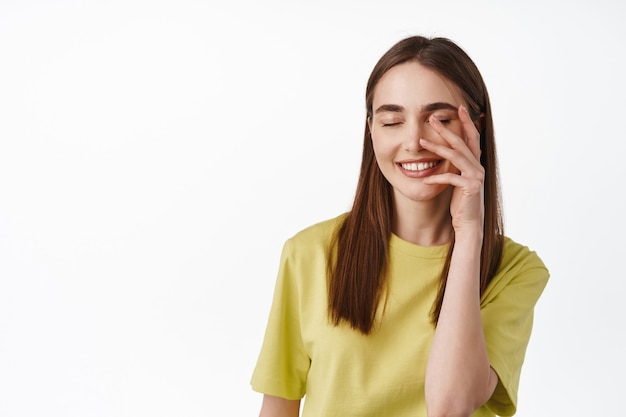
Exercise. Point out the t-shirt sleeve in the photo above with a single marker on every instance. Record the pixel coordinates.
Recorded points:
(507, 314)
(283, 363)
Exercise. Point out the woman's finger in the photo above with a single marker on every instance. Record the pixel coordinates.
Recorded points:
(471, 136)
(471, 132)
(463, 159)
(452, 139)
(470, 186)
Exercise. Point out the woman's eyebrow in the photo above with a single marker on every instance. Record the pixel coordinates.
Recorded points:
(438, 106)
(430, 107)
(390, 107)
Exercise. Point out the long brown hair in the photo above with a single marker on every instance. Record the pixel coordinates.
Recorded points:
(358, 265)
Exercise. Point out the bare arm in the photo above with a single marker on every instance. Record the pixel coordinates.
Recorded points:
(459, 378)
(279, 407)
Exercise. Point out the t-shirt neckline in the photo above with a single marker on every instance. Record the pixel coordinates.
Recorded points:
(408, 248)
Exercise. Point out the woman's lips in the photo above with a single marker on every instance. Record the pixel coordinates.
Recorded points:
(417, 169)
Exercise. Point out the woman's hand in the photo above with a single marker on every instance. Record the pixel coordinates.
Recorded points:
(467, 204)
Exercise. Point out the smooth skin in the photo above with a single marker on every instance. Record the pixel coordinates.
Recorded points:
(421, 117)
(279, 407)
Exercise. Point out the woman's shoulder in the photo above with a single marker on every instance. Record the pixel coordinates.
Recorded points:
(517, 254)
(320, 232)
(520, 268)
(312, 244)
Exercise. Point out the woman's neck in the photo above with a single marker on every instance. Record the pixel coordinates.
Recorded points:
(423, 223)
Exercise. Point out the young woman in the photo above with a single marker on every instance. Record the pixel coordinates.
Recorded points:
(414, 303)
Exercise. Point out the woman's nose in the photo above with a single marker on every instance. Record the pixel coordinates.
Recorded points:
(412, 138)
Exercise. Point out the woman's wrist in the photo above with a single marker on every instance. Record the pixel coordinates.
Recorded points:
(470, 235)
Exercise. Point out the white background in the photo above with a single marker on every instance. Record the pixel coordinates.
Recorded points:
(155, 155)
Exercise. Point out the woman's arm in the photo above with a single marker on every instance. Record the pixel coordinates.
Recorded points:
(279, 407)
(459, 378)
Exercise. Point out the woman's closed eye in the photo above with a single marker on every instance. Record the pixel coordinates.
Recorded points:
(391, 124)
(442, 120)
(445, 119)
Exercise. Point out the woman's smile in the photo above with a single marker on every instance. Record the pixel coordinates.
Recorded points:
(418, 169)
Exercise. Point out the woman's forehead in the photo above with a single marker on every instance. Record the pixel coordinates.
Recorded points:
(413, 85)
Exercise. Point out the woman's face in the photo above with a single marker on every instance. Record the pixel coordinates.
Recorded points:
(404, 99)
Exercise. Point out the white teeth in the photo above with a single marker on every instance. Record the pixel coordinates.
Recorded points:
(419, 166)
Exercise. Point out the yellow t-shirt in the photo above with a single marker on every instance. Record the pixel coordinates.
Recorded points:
(344, 373)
